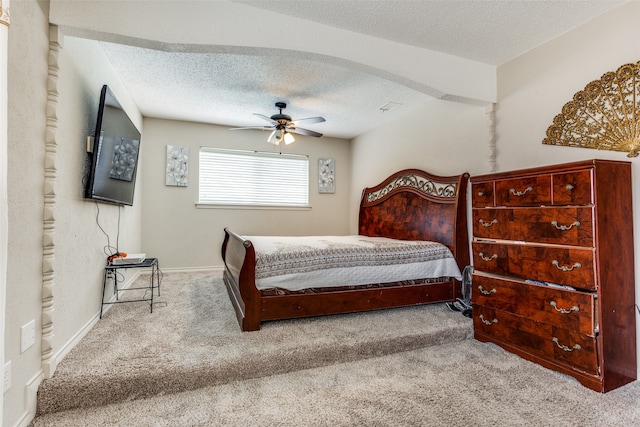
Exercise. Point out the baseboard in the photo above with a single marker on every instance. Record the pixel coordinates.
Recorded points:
(192, 269)
(31, 400)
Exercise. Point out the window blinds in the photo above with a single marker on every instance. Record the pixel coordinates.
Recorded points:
(237, 177)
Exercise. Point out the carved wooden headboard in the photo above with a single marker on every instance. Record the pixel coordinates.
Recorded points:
(414, 205)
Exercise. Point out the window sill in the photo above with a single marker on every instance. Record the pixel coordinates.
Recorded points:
(252, 207)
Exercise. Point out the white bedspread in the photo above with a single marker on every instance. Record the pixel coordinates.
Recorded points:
(296, 263)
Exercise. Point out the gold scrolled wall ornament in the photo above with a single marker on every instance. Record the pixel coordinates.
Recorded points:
(603, 116)
(4, 12)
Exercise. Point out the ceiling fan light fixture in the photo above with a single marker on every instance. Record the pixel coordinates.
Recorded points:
(275, 137)
(282, 126)
(288, 138)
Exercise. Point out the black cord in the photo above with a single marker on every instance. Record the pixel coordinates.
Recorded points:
(118, 234)
(108, 249)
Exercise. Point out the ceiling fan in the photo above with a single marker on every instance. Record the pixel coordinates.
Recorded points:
(282, 126)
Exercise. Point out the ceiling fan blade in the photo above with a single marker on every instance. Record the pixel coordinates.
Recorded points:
(262, 116)
(302, 131)
(253, 127)
(308, 120)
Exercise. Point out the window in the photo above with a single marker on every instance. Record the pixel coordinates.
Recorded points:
(237, 177)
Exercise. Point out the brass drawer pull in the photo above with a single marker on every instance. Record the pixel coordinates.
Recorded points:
(486, 292)
(565, 227)
(520, 193)
(564, 310)
(489, 258)
(480, 193)
(488, 224)
(487, 322)
(564, 347)
(569, 187)
(564, 267)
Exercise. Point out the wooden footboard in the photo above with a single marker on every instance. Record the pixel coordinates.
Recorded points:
(239, 277)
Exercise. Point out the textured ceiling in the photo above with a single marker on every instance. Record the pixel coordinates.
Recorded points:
(225, 88)
(488, 31)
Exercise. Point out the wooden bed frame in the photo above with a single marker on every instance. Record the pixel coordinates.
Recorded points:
(409, 205)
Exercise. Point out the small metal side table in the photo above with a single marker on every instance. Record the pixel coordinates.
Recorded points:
(110, 272)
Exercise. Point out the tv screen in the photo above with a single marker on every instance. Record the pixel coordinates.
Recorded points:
(114, 160)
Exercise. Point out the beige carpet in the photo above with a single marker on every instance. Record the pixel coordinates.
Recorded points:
(192, 340)
(408, 367)
(464, 383)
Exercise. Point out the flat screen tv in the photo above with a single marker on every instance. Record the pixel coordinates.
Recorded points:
(114, 158)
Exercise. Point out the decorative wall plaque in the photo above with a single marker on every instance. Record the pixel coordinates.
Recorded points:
(326, 176)
(4, 12)
(603, 116)
(177, 165)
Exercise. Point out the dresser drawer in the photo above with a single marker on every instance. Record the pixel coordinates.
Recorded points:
(558, 225)
(558, 344)
(558, 189)
(559, 307)
(530, 191)
(561, 265)
(573, 188)
(482, 194)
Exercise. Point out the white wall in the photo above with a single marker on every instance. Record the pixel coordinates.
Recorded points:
(75, 256)
(4, 211)
(534, 87)
(443, 138)
(80, 248)
(27, 94)
(181, 235)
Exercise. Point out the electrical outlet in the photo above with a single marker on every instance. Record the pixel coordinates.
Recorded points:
(6, 376)
(27, 336)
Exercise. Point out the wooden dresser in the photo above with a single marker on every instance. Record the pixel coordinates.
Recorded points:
(554, 268)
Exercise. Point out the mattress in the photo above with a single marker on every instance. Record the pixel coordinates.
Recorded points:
(299, 262)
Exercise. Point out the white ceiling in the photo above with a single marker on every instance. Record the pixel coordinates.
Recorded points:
(226, 88)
